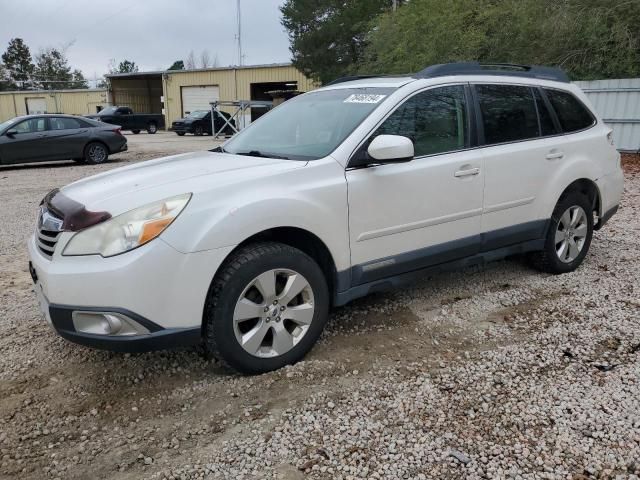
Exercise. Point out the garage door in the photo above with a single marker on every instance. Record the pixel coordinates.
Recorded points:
(198, 98)
(36, 105)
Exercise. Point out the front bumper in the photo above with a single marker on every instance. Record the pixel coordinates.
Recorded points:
(182, 128)
(155, 285)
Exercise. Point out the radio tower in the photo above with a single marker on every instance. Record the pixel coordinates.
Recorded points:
(239, 35)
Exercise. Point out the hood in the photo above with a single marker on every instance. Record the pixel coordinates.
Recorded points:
(185, 120)
(145, 182)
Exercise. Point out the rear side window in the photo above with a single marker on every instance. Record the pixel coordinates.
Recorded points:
(508, 113)
(572, 114)
(435, 120)
(60, 123)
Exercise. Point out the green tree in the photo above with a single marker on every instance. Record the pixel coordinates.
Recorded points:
(78, 80)
(18, 63)
(52, 71)
(328, 36)
(5, 81)
(588, 38)
(177, 65)
(126, 66)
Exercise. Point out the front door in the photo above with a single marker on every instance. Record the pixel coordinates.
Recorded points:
(407, 216)
(28, 144)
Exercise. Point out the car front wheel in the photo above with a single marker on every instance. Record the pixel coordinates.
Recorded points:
(266, 308)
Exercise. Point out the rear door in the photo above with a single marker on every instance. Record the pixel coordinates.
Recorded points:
(67, 137)
(28, 144)
(411, 215)
(523, 147)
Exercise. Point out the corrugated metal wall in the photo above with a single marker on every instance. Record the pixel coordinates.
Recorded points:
(141, 94)
(618, 103)
(74, 102)
(234, 83)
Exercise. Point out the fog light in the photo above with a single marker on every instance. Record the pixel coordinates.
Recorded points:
(106, 323)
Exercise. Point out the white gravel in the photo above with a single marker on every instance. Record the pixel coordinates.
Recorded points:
(494, 372)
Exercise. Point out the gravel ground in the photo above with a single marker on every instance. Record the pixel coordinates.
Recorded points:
(494, 372)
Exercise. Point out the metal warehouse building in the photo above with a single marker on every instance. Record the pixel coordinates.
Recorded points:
(176, 92)
(76, 102)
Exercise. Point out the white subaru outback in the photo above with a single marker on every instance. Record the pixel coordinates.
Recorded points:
(361, 185)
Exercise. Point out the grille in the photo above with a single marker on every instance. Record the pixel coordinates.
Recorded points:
(48, 232)
(46, 241)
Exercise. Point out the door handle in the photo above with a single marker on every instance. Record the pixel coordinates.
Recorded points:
(467, 173)
(554, 155)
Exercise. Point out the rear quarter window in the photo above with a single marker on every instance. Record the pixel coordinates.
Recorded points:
(571, 113)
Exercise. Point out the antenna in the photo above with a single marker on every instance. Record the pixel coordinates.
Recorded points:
(239, 35)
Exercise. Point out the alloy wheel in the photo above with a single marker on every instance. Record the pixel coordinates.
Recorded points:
(273, 313)
(97, 153)
(571, 233)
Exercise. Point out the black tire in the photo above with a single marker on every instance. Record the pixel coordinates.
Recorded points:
(135, 132)
(548, 259)
(152, 128)
(95, 153)
(198, 130)
(230, 282)
(180, 134)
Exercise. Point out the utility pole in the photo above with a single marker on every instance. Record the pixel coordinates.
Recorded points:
(239, 35)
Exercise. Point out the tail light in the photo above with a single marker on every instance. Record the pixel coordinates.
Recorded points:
(117, 131)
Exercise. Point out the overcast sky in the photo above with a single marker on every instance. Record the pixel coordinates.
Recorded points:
(152, 33)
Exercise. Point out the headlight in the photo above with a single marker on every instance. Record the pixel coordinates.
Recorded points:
(127, 231)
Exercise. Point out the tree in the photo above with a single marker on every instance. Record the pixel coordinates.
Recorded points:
(18, 63)
(205, 59)
(177, 65)
(190, 62)
(78, 80)
(328, 36)
(588, 38)
(52, 70)
(5, 81)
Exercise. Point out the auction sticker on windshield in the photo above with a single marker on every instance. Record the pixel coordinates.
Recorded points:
(363, 98)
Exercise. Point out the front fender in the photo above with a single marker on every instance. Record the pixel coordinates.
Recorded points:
(313, 198)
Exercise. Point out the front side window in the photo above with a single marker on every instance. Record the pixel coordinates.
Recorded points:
(310, 126)
(572, 114)
(508, 113)
(434, 120)
(32, 125)
(59, 123)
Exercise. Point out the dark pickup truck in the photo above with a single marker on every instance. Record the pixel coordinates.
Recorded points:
(127, 120)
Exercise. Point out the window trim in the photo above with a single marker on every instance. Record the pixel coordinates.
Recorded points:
(594, 119)
(471, 125)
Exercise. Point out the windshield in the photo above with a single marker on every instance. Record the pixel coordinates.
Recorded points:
(198, 114)
(6, 124)
(310, 126)
(108, 111)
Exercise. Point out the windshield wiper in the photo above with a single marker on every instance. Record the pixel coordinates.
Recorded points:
(258, 153)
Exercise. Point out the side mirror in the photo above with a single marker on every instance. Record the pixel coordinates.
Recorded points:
(11, 132)
(391, 149)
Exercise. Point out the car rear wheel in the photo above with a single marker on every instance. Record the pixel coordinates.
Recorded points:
(95, 153)
(152, 128)
(568, 236)
(266, 308)
(136, 131)
(180, 134)
(198, 130)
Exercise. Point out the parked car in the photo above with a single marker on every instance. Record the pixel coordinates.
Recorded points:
(353, 188)
(127, 120)
(198, 122)
(43, 138)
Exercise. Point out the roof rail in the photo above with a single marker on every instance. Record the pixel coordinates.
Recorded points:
(349, 78)
(503, 69)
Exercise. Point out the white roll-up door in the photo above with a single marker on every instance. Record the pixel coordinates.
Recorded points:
(36, 105)
(198, 98)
